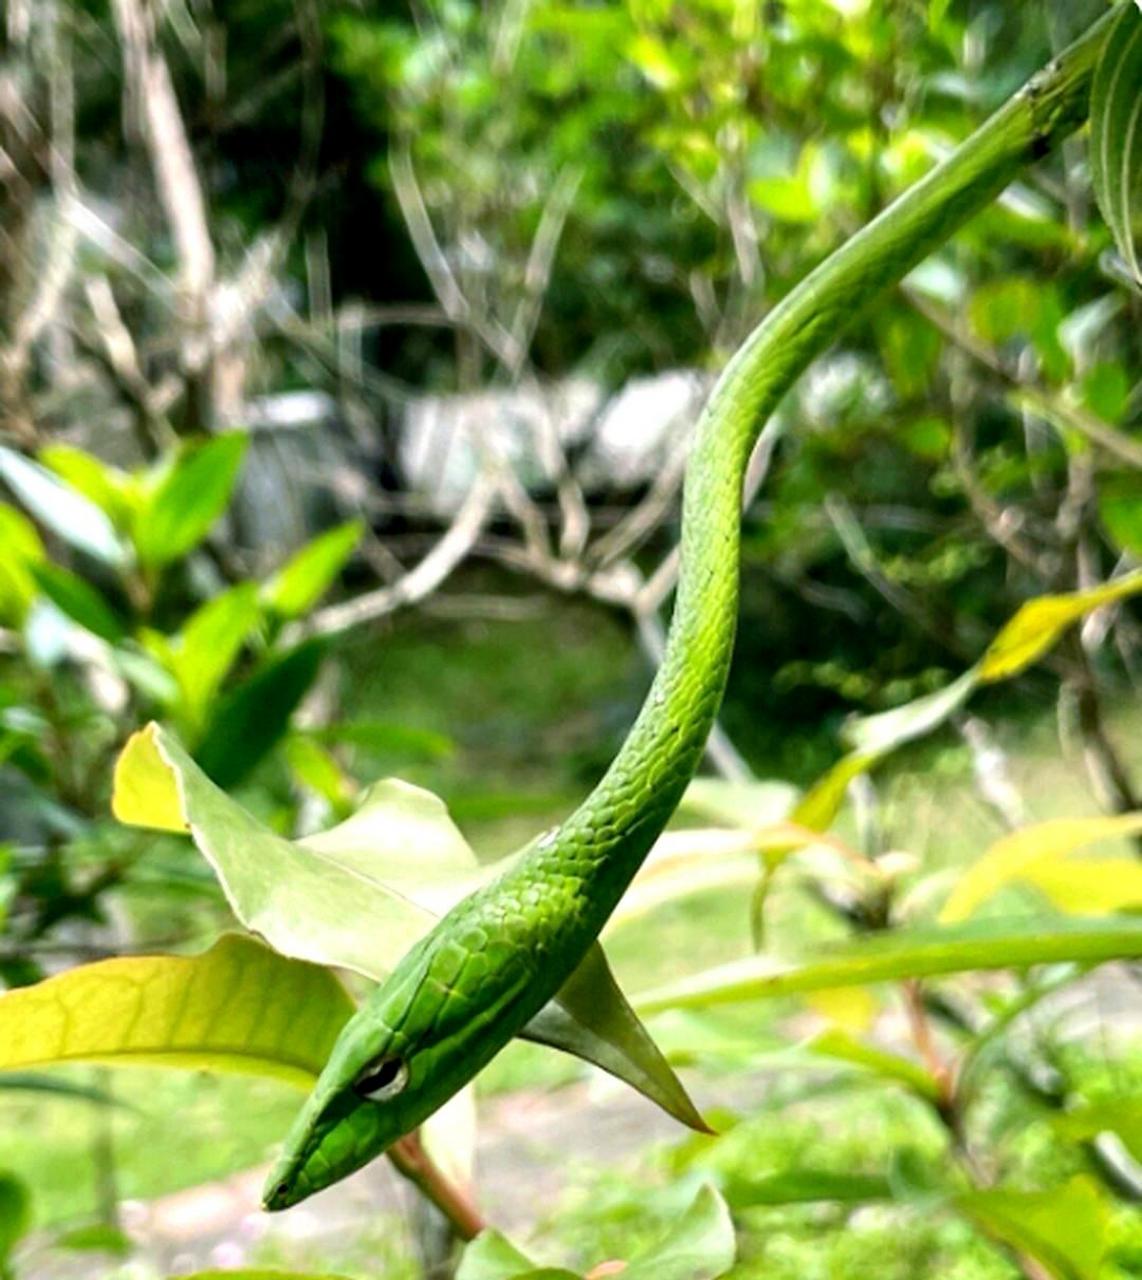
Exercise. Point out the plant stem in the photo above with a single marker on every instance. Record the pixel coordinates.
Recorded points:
(414, 1163)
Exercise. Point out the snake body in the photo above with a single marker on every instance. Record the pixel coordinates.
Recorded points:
(501, 954)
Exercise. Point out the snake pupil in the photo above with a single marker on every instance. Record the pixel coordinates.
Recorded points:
(388, 1077)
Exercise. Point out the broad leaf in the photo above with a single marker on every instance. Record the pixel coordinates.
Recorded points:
(1025, 854)
(80, 601)
(1066, 1228)
(43, 1082)
(238, 1007)
(298, 585)
(915, 953)
(15, 1215)
(201, 655)
(112, 490)
(1040, 622)
(890, 729)
(357, 896)
(23, 550)
(700, 1246)
(187, 496)
(255, 1275)
(1116, 135)
(807, 1186)
(590, 1017)
(839, 1045)
(245, 725)
(1122, 1116)
(58, 507)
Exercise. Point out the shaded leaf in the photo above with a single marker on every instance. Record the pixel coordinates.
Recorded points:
(298, 585)
(96, 1237)
(1066, 1227)
(807, 1186)
(1021, 855)
(255, 1275)
(890, 729)
(492, 1256)
(238, 1007)
(80, 601)
(383, 736)
(22, 551)
(15, 1214)
(32, 1082)
(911, 953)
(245, 725)
(1116, 135)
(187, 495)
(838, 1044)
(1122, 1116)
(590, 1017)
(58, 507)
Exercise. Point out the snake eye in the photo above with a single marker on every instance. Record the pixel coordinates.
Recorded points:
(384, 1079)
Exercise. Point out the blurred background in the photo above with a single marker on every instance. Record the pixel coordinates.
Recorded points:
(348, 357)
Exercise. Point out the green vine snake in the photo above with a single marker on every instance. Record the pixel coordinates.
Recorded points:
(502, 953)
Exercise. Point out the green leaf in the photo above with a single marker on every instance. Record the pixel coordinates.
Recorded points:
(22, 550)
(15, 1214)
(238, 1007)
(822, 802)
(807, 1186)
(1066, 1228)
(356, 896)
(298, 585)
(80, 601)
(838, 1044)
(1116, 134)
(201, 655)
(1120, 510)
(492, 1256)
(590, 1017)
(255, 1275)
(36, 1082)
(96, 1237)
(1024, 854)
(1122, 1116)
(911, 953)
(316, 768)
(890, 729)
(58, 507)
(186, 496)
(112, 490)
(700, 1246)
(248, 723)
(1040, 622)
(383, 736)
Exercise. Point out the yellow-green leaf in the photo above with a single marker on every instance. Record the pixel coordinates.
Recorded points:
(238, 1007)
(298, 585)
(1066, 1227)
(823, 801)
(910, 953)
(1024, 854)
(1040, 622)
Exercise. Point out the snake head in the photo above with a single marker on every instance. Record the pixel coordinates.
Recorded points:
(422, 1034)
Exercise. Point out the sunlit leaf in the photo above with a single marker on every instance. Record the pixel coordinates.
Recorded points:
(201, 655)
(1122, 1116)
(492, 1256)
(112, 490)
(1040, 622)
(1116, 135)
(822, 802)
(238, 1007)
(190, 492)
(890, 729)
(910, 953)
(356, 896)
(298, 585)
(1066, 1228)
(61, 509)
(22, 550)
(1021, 854)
